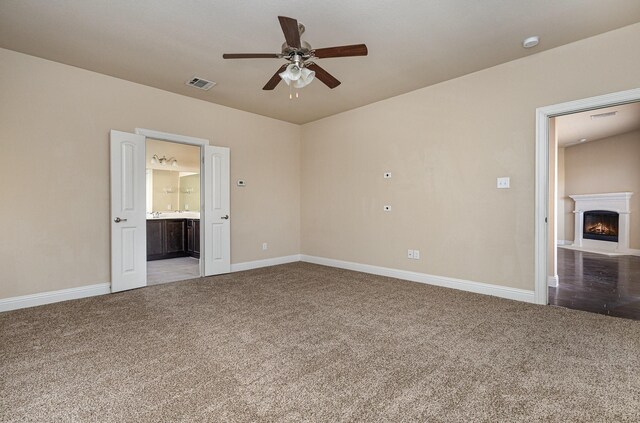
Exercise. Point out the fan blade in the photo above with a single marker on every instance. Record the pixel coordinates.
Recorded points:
(290, 30)
(250, 56)
(323, 75)
(341, 51)
(275, 79)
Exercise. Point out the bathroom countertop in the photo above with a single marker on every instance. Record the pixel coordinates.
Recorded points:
(175, 215)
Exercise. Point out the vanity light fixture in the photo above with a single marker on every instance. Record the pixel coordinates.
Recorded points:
(164, 161)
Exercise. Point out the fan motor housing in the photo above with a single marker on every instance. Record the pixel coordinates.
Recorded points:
(304, 50)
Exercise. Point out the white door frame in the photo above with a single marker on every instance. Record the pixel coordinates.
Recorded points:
(542, 173)
(183, 139)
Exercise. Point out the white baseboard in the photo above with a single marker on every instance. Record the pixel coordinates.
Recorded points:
(32, 300)
(42, 298)
(563, 242)
(463, 285)
(552, 281)
(633, 252)
(612, 253)
(248, 265)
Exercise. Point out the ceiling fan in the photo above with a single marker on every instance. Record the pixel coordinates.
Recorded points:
(301, 69)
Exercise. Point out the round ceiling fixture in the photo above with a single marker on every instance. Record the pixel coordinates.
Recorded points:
(531, 42)
(583, 140)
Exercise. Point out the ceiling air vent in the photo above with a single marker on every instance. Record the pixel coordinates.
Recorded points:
(200, 83)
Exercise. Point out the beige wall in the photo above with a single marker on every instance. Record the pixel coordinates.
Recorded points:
(607, 165)
(54, 133)
(445, 145)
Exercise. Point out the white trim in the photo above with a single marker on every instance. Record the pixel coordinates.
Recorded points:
(42, 298)
(563, 242)
(542, 172)
(552, 281)
(460, 284)
(166, 136)
(248, 265)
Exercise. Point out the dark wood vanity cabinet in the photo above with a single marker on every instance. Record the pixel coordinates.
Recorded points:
(193, 237)
(175, 237)
(155, 239)
(166, 238)
(171, 238)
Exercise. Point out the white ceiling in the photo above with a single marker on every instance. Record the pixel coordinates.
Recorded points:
(412, 43)
(577, 126)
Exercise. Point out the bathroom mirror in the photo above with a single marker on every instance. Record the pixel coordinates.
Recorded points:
(171, 190)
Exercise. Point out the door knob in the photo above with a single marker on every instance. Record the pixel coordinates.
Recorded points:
(118, 220)
(225, 217)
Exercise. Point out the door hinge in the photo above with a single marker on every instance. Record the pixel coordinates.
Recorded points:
(545, 220)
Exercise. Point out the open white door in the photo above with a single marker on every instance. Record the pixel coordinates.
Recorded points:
(216, 222)
(128, 219)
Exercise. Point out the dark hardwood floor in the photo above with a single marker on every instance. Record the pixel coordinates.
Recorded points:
(598, 283)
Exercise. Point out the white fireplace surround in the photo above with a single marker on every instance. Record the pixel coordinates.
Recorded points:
(612, 201)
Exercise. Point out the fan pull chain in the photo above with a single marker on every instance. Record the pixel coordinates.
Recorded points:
(291, 91)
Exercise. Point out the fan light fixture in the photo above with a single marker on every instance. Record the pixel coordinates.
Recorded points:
(163, 161)
(298, 76)
(300, 70)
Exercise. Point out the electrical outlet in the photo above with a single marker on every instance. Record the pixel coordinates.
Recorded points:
(503, 182)
(416, 254)
(264, 246)
(410, 254)
(387, 175)
(387, 208)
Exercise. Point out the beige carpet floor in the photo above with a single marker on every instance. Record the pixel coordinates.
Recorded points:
(301, 342)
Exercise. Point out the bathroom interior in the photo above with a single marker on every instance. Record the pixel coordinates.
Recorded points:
(173, 211)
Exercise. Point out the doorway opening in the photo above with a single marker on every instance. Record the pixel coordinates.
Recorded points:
(172, 211)
(129, 207)
(588, 183)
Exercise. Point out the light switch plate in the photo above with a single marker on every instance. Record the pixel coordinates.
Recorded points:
(387, 175)
(241, 183)
(503, 182)
(410, 254)
(416, 254)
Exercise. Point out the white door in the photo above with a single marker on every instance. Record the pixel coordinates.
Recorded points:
(217, 220)
(128, 218)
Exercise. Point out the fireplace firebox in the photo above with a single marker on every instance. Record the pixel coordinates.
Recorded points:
(601, 225)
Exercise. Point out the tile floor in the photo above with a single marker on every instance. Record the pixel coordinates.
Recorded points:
(171, 270)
